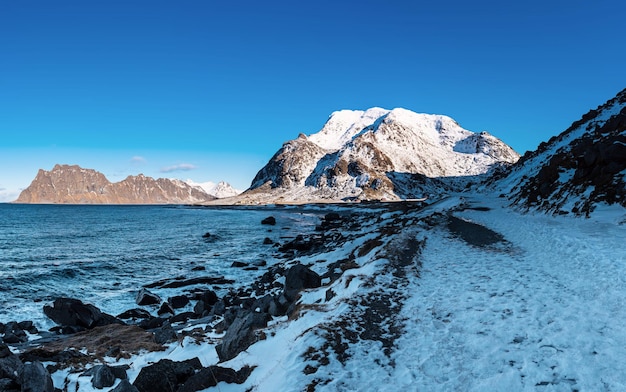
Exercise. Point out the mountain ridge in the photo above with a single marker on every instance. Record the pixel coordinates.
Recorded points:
(72, 184)
(378, 154)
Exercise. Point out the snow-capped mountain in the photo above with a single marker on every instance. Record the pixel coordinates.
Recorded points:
(379, 154)
(578, 169)
(72, 184)
(220, 190)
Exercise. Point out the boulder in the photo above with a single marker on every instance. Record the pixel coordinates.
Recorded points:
(270, 220)
(145, 297)
(268, 241)
(240, 334)
(300, 277)
(166, 310)
(10, 365)
(165, 375)
(165, 334)
(35, 378)
(211, 376)
(178, 301)
(74, 313)
(134, 314)
(124, 386)
(102, 376)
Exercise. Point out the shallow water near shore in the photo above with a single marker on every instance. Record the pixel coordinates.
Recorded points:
(103, 254)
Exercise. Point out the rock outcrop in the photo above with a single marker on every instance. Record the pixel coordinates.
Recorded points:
(578, 169)
(378, 154)
(66, 184)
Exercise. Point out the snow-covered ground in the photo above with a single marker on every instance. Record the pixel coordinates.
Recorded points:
(539, 307)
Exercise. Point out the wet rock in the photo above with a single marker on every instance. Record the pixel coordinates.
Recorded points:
(206, 235)
(268, 241)
(145, 297)
(270, 220)
(74, 313)
(10, 365)
(182, 317)
(178, 301)
(182, 282)
(166, 310)
(298, 278)
(35, 378)
(152, 323)
(134, 314)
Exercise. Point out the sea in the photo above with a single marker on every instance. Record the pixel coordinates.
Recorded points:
(103, 254)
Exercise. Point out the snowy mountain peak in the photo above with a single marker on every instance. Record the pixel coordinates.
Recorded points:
(220, 190)
(379, 154)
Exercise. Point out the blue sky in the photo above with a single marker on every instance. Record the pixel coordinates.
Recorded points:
(210, 90)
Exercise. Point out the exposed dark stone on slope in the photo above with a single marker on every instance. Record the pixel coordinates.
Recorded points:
(35, 378)
(166, 310)
(10, 366)
(240, 334)
(102, 376)
(211, 376)
(72, 312)
(145, 297)
(165, 334)
(124, 386)
(300, 277)
(473, 233)
(166, 375)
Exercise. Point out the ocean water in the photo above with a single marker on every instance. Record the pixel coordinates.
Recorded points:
(104, 254)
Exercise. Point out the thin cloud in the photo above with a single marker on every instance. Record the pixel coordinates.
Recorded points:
(138, 159)
(179, 167)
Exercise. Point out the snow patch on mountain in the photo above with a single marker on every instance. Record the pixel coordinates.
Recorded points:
(220, 190)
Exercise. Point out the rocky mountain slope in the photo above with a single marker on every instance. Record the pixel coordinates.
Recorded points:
(577, 170)
(66, 184)
(378, 154)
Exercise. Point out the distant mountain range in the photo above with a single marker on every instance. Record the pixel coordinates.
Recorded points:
(66, 184)
(379, 154)
(396, 154)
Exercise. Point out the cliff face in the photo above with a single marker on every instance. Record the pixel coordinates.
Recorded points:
(66, 184)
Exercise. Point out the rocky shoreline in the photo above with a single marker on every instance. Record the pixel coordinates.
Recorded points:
(86, 342)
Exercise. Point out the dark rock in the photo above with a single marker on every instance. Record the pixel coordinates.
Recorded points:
(240, 334)
(28, 326)
(145, 297)
(270, 220)
(268, 241)
(72, 312)
(206, 235)
(239, 264)
(134, 314)
(102, 377)
(178, 301)
(332, 217)
(165, 334)
(199, 268)
(10, 364)
(219, 308)
(211, 376)
(182, 317)
(300, 277)
(125, 386)
(120, 371)
(166, 375)
(166, 310)
(176, 283)
(7, 385)
(209, 297)
(152, 323)
(35, 378)
(260, 263)
(11, 338)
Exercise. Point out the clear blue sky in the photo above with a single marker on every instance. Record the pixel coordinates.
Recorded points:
(210, 90)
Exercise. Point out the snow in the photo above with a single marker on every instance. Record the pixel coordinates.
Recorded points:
(220, 190)
(542, 311)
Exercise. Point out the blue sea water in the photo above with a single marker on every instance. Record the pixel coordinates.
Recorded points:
(103, 254)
